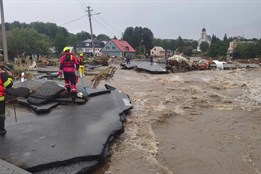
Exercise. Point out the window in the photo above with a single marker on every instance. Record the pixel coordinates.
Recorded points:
(114, 48)
(107, 47)
(127, 48)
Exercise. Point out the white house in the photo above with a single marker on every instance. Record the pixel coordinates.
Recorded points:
(157, 52)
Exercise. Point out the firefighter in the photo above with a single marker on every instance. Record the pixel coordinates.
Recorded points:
(81, 65)
(68, 67)
(6, 81)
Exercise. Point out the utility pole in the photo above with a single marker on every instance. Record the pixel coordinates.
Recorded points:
(90, 21)
(3, 32)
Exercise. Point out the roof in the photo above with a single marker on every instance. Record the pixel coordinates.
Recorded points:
(121, 44)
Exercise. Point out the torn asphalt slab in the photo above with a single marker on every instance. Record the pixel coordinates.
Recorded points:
(71, 135)
(154, 67)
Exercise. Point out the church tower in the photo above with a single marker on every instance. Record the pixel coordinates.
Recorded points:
(203, 38)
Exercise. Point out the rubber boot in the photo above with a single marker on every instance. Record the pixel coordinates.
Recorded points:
(2, 125)
(68, 90)
(74, 94)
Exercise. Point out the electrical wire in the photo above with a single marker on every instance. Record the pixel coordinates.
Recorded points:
(105, 27)
(74, 20)
(101, 21)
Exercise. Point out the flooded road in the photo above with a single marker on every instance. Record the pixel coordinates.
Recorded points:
(195, 122)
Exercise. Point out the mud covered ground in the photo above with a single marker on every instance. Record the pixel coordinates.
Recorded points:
(197, 122)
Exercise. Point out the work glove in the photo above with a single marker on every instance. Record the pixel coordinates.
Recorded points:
(9, 74)
(60, 74)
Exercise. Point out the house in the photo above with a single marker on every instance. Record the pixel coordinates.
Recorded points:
(203, 38)
(234, 43)
(118, 48)
(86, 47)
(157, 52)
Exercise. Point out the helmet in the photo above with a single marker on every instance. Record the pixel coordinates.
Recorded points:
(66, 49)
(81, 55)
(7, 67)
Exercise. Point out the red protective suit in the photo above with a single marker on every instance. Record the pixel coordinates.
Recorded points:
(68, 66)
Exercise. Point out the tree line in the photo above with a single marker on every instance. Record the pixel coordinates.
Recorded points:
(39, 37)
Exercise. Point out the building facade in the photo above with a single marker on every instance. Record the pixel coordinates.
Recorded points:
(234, 43)
(118, 48)
(203, 38)
(86, 47)
(157, 51)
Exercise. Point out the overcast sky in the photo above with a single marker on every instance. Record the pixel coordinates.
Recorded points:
(167, 19)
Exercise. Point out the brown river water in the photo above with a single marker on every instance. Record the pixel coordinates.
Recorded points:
(200, 122)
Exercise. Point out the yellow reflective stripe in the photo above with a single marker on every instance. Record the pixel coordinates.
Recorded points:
(2, 98)
(9, 80)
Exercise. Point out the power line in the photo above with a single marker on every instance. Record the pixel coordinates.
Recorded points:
(112, 27)
(110, 30)
(99, 20)
(103, 22)
(74, 20)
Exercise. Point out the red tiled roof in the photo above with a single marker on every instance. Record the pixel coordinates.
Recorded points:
(121, 44)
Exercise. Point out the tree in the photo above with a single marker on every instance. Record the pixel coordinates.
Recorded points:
(28, 40)
(157, 42)
(49, 29)
(258, 48)
(204, 46)
(180, 44)
(218, 48)
(225, 39)
(246, 51)
(60, 42)
(194, 44)
(83, 36)
(71, 40)
(103, 37)
(214, 39)
(139, 37)
(187, 51)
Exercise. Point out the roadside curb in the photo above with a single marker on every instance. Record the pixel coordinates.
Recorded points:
(8, 168)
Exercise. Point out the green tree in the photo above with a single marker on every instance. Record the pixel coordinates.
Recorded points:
(49, 29)
(258, 48)
(225, 39)
(180, 44)
(218, 48)
(157, 42)
(27, 40)
(83, 36)
(139, 37)
(194, 44)
(214, 39)
(204, 46)
(71, 40)
(60, 42)
(246, 51)
(187, 51)
(103, 37)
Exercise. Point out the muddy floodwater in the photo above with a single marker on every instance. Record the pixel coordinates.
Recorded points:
(200, 122)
